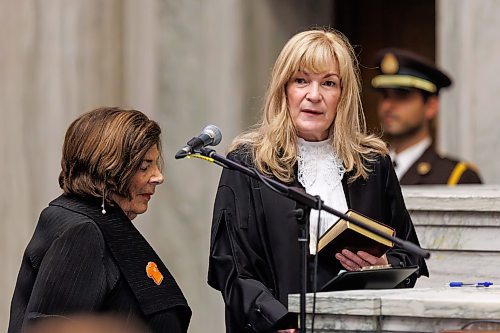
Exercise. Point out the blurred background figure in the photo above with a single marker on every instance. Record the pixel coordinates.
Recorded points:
(85, 255)
(409, 86)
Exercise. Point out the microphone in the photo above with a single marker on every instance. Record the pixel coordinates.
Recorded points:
(209, 136)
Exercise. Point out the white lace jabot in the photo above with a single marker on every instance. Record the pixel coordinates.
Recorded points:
(320, 171)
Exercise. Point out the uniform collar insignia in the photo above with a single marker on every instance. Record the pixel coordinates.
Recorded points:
(423, 168)
(389, 64)
(154, 273)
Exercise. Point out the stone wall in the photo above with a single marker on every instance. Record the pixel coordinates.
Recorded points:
(460, 226)
(467, 47)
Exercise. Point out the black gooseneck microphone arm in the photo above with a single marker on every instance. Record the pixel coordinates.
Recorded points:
(298, 195)
(308, 202)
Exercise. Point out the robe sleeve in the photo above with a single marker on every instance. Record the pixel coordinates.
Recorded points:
(401, 221)
(233, 262)
(72, 276)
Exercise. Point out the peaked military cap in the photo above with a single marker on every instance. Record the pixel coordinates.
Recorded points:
(405, 69)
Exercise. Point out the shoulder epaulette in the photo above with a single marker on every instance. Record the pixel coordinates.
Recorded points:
(458, 171)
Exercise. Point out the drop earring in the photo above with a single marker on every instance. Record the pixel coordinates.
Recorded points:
(103, 211)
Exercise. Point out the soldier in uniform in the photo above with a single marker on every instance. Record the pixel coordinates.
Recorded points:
(410, 85)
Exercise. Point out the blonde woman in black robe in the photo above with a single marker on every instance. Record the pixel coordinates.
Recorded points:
(312, 135)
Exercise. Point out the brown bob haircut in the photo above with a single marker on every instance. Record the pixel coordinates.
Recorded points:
(103, 149)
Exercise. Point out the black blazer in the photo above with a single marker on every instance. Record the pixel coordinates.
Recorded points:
(81, 261)
(254, 253)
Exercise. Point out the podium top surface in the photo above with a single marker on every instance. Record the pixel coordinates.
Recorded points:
(453, 198)
(462, 302)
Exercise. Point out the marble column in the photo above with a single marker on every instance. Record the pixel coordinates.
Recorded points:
(57, 59)
(468, 48)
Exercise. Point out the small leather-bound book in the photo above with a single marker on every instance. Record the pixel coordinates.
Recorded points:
(346, 235)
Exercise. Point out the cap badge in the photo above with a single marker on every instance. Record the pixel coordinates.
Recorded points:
(154, 273)
(389, 64)
(423, 168)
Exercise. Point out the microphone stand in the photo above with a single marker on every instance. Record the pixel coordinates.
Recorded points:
(305, 202)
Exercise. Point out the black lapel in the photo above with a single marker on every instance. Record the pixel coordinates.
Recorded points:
(132, 253)
(345, 186)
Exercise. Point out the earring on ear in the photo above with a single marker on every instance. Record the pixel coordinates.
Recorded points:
(103, 211)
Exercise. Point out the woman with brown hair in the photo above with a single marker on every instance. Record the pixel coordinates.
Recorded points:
(312, 135)
(85, 255)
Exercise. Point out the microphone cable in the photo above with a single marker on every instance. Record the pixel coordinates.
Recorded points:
(206, 158)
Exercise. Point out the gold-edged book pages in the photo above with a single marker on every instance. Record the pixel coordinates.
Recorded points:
(346, 235)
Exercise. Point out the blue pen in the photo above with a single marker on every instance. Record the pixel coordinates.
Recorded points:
(477, 284)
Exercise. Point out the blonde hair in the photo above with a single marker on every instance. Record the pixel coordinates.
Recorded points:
(273, 142)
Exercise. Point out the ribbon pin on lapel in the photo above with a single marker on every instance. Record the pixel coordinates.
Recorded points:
(154, 273)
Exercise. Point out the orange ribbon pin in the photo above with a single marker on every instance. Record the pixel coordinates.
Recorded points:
(154, 273)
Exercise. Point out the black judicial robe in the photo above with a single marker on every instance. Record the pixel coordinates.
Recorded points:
(80, 261)
(254, 253)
